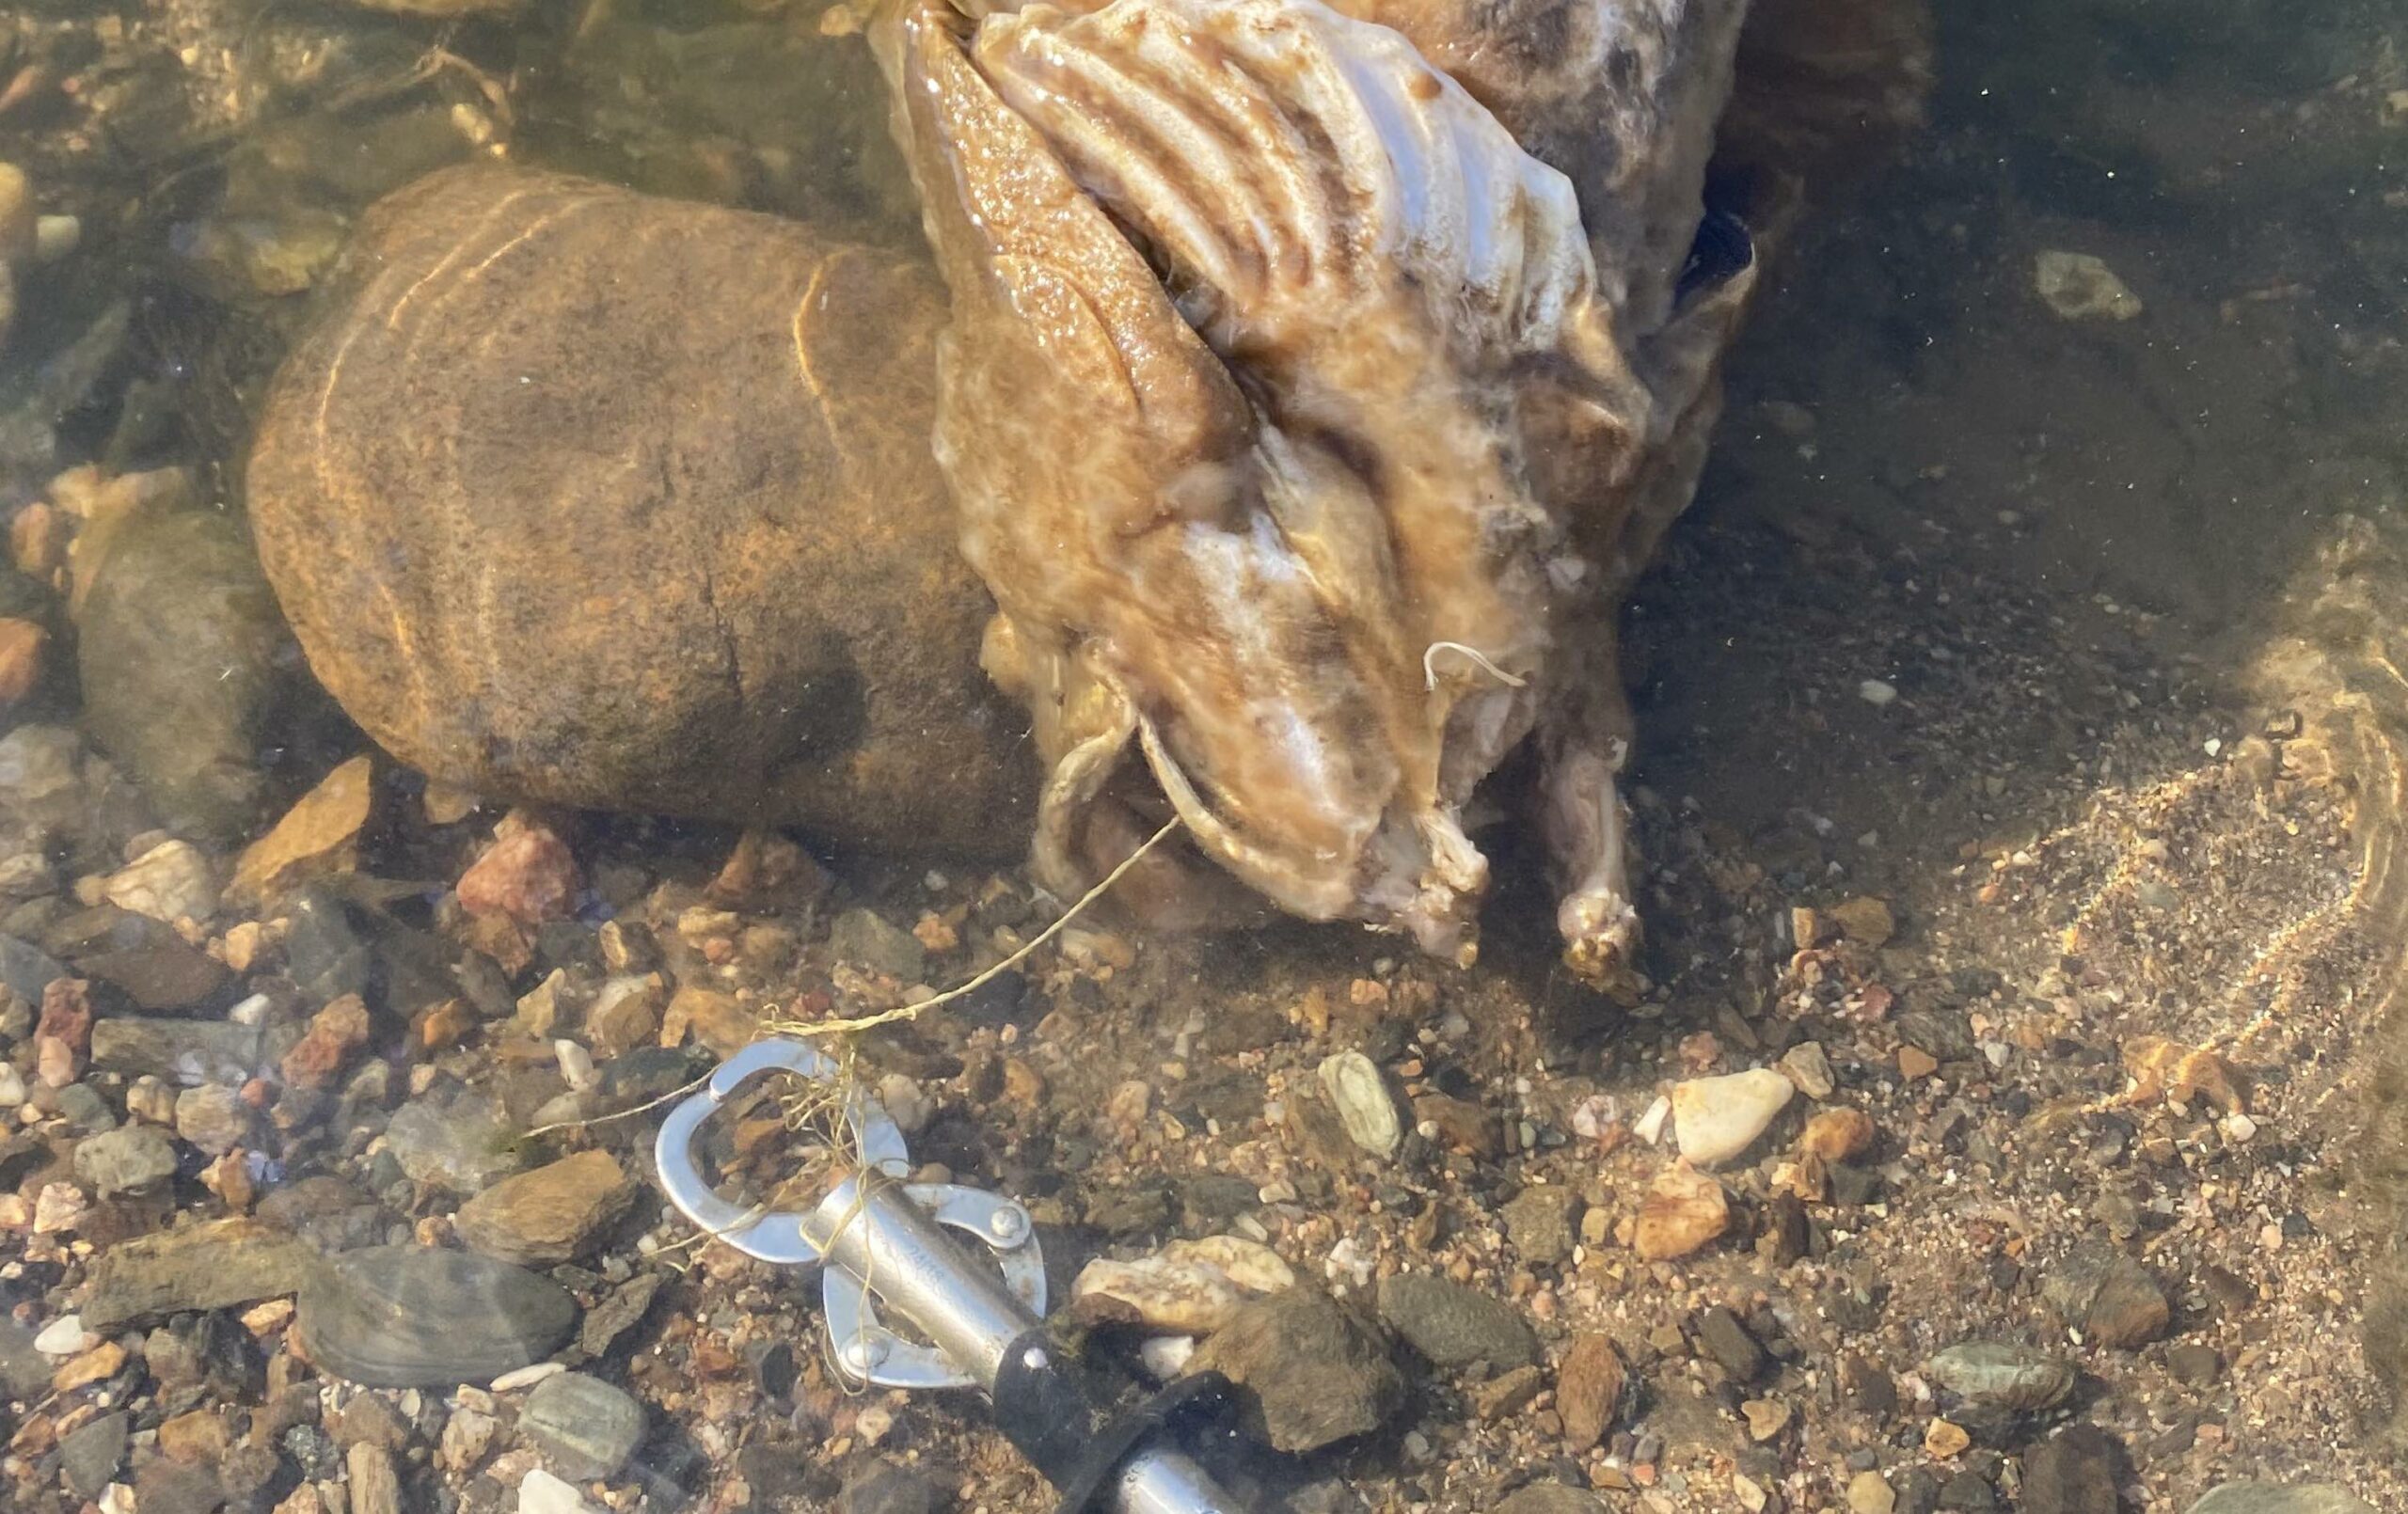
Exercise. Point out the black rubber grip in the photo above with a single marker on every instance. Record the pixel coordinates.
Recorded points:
(1085, 1492)
(1048, 1406)
(1068, 1422)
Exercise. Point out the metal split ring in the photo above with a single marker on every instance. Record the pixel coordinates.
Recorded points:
(773, 1236)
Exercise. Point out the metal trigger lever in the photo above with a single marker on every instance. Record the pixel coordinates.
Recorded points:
(879, 1236)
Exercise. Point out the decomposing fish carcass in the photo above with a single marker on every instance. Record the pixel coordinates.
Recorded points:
(1299, 426)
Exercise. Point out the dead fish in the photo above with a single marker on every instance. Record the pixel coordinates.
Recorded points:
(1295, 552)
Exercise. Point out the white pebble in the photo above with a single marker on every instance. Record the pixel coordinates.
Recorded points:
(576, 1066)
(62, 1336)
(540, 1493)
(1164, 1356)
(1346, 1262)
(527, 1377)
(874, 1423)
(1592, 1116)
(1874, 692)
(1717, 1118)
(1650, 1128)
(1365, 1106)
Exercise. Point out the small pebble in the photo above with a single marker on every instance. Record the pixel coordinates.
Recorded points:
(62, 1336)
(526, 1377)
(1715, 1119)
(1649, 1127)
(1365, 1105)
(1683, 1210)
(1810, 1069)
(2078, 286)
(540, 1493)
(1869, 1493)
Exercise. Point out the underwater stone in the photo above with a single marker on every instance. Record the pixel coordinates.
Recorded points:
(26, 968)
(1453, 1325)
(403, 1317)
(725, 420)
(172, 880)
(122, 1161)
(40, 786)
(1309, 1370)
(867, 937)
(1999, 1375)
(2081, 287)
(1681, 1211)
(179, 1050)
(177, 645)
(555, 1213)
(1715, 1119)
(462, 1144)
(89, 1458)
(220, 1264)
(584, 1427)
(1366, 1105)
(2109, 1297)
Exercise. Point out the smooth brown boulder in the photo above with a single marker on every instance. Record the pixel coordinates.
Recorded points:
(580, 496)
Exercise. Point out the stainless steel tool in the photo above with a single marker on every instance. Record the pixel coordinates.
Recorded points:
(881, 1240)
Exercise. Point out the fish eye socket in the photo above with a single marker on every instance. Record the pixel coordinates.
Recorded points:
(1722, 249)
(1722, 246)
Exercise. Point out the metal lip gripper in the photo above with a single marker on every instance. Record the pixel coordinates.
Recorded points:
(881, 1240)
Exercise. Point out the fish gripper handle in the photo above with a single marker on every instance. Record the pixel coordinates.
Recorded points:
(1069, 1421)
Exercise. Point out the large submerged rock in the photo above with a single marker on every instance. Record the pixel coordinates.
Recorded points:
(582, 496)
